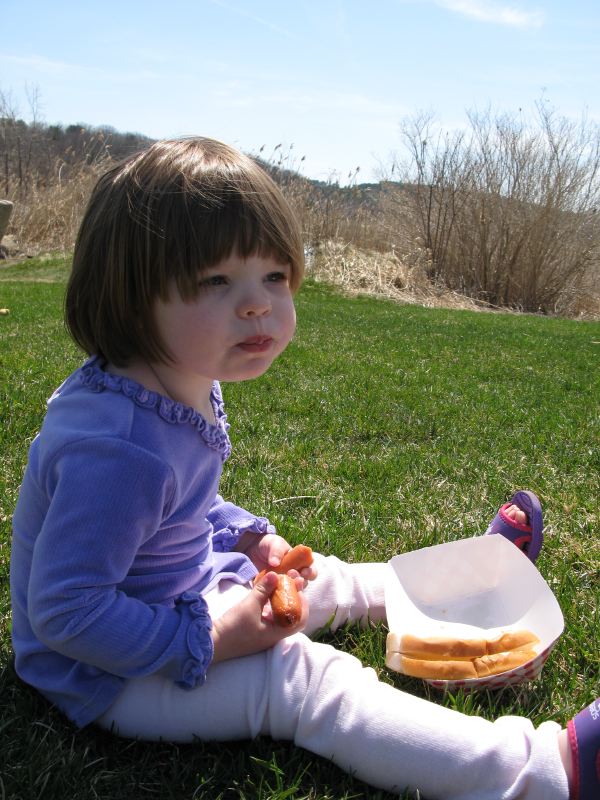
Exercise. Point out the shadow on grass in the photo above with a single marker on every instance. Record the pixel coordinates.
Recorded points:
(44, 755)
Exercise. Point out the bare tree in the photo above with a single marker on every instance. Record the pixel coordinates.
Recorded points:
(506, 208)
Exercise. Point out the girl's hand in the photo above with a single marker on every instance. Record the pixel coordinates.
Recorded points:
(268, 550)
(248, 627)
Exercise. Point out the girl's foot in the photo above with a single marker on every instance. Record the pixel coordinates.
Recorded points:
(526, 534)
(584, 742)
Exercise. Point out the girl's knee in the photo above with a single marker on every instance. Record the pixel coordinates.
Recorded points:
(309, 679)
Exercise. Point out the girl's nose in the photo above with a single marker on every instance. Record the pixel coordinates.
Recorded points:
(254, 302)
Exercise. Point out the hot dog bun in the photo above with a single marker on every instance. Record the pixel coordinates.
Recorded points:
(512, 640)
(451, 670)
(446, 648)
(438, 648)
(448, 658)
(434, 670)
(502, 662)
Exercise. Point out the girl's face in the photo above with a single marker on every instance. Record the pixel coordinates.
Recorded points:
(242, 318)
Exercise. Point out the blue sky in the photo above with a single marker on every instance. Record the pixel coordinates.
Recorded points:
(330, 80)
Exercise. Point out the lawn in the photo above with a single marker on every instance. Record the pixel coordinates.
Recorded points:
(382, 428)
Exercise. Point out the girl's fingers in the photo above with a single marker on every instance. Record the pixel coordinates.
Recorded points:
(265, 587)
(309, 573)
(275, 558)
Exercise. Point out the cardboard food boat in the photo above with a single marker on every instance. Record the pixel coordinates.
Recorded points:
(471, 589)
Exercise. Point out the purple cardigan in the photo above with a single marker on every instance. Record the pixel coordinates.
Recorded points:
(117, 534)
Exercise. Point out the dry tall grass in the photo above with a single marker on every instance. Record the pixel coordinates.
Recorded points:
(366, 238)
(508, 208)
(48, 217)
(359, 271)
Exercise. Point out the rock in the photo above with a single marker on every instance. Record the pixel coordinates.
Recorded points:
(9, 247)
(6, 208)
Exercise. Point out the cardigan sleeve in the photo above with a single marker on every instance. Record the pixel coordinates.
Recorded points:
(107, 497)
(230, 522)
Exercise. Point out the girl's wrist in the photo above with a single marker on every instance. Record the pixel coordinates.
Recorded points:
(247, 540)
(215, 638)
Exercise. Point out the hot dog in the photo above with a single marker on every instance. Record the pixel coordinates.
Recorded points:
(297, 558)
(285, 602)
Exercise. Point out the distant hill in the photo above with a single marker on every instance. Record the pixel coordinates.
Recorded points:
(31, 154)
(35, 154)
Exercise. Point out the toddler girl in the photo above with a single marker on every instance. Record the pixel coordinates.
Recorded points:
(131, 577)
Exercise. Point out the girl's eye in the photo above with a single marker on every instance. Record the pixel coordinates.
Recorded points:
(213, 280)
(277, 277)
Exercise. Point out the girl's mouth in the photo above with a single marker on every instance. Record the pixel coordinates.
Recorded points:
(256, 344)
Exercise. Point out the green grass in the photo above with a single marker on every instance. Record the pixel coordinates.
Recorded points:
(381, 429)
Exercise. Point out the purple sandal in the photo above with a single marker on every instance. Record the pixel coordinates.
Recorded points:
(584, 741)
(528, 538)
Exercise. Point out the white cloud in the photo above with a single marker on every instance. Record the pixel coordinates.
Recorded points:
(242, 12)
(42, 66)
(301, 101)
(489, 11)
(40, 63)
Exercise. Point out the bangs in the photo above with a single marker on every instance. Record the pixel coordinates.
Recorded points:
(234, 226)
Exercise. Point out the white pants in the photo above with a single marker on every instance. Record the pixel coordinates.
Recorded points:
(325, 701)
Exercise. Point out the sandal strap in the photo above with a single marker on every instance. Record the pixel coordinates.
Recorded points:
(528, 538)
(529, 503)
(584, 740)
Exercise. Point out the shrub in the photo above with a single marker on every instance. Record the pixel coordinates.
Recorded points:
(507, 210)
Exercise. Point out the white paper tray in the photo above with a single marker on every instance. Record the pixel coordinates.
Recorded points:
(473, 588)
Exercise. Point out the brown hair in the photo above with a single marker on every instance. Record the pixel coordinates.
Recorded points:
(176, 208)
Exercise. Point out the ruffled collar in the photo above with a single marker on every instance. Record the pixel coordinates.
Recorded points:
(96, 379)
